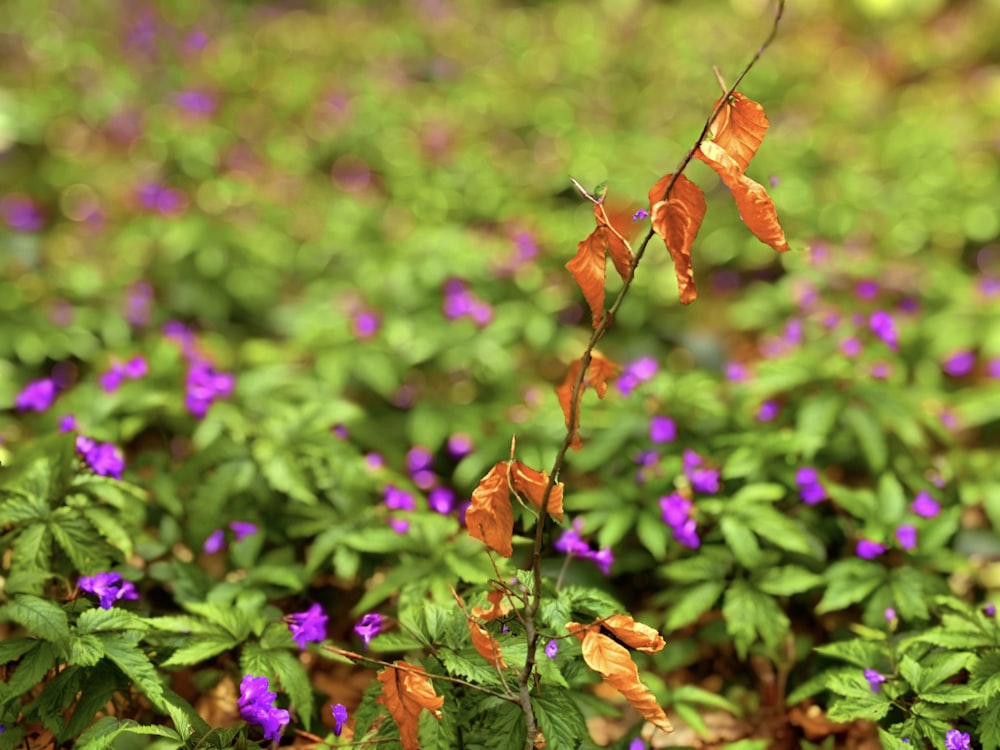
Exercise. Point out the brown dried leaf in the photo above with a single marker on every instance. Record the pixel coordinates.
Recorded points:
(490, 518)
(531, 484)
(600, 370)
(498, 607)
(588, 266)
(753, 202)
(739, 128)
(677, 221)
(486, 645)
(405, 692)
(634, 634)
(613, 662)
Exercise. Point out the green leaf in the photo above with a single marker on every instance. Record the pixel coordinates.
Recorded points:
(103, 732)
(762, 492)
(858, 652)
(692, 603)
(850, 581)
(985, 674)
(86, 650)
(787, 580)
(200, 649)
(295, 682)
(654, 536)
(870, 435)
(123, 651)
(559, 719)
(96, 620)
(911, 589)
(39, 617)
(741, 541)
(79, 540)
(815, 419)
(933, 669)
(750, 614)
(710, 564)
(111, 529)
(225, 616)
(781, 531)
(16, 508)
(869, 707)
(186, 624)
(989, 724)
(951, 694)
(30, 670)
(700, 696)
(13, 648)
(470, 665)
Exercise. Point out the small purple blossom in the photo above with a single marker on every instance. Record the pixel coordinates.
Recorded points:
(195, 102)
(103, 458)
(737, 373)
(108, 587)
(868, 549)
(67, 423)
(906, 535)
(134, 369)
(866, 289)
(368, 627)
(956, 740)
(767, 411)
(702, 480)
(604, 559)
(339, 718)
(883, 326)
(850, 347)
(308, 626)
(640, 215)
(460, 445)
(214, 542)
(990, 610)
(459, 302)
(635, 374)
(37, 395)
(441, 500)
(256, 704)
(993, 368)
(811, 491)
(959, 363)
(374, 461)
(418, 458)
(890, 614)
(875, 680)
(675, 508)
(165, 200)
(925, 506)
(366, 324)
(571, 543)
(881, 370)
(397, 499)
(552, 648)
(662, 430)
(687, 534)
(21, 213)
(204, 386)
(637, 744)
(242, 529)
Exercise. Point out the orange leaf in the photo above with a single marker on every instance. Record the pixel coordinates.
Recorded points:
(598, 372)
(490, 517)
(618, 249)
(613, 662)
(677, 220)
(486, 645)
(531, 484)
(739, 128)
(753, 202)
(498, 607)
(405, 692)
(633, 634)
(589, 263)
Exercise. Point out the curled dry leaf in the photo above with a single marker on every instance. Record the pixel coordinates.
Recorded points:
(613, 662)
(739, 128)
(406, 692)
(486, 645)
(498, 607)
(531, 484)
(600, 370)
(588, 265)
(677, 221)
(633, 634)
(490, 517)
(753, 202)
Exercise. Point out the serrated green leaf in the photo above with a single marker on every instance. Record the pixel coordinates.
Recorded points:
(16, 508)
(701, 697)
(13, 648)
(780, 530)
(891, 499)
(751, 614)
(136, 666)
(863, 654)
(709, 564)
(760, 492)
(79, 540)
(870, 707)
(186, 624)
(985, 674)
(111, 529)
(86, 650)
(933, 670)
(653, 535)
(815, 419)
(470, 665)
(787, 580)
(741, 541)
(951, 694)
(30, 670)
(39, 617)
(202, 648)
(870, 435)
(96, 620)
(989, 724)
(29, 566)
(560, 720)
(590, 601)
(103, 732)
(692, 603)
(849, 582)
(225, 616)
(292, 678)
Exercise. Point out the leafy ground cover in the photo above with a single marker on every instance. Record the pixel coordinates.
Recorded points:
(282, 282)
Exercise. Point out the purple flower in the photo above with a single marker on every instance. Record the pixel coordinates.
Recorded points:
(883, 326)
(637, 744)
(924, 505)
(890, 614)
(204, 386)
(571, 543)
(374, 461)
(880, 370)
(460, 445)
(687, 534)
(866, 289)
(308, 626)
(67, 423)
(397, 499)
(552, 648)
(339, 718)
(737, 373)
(635, 374)
(103, 458)
(368, 627)
(875, 680)
(993, 368)
(640, 214)
(242, 529)
(108, 587)
(850, 347)
(810, 489)
(768, 411)
(164, 200)
(20, 213)
(675, 508)
(256, 704)
(868, 549)
(955, 740)
(604, 559)
(195, 102)
(399, 525)
(418, 458)
(441, 500)
(990, 610)
(37, 395)
(906, 535)
(662, 430)
(214, 542)
(135, 368)
(112, 379)
(702, 480)
(959, 363)
(366, 324)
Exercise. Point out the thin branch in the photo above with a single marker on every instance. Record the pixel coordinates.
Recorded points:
(531, 635)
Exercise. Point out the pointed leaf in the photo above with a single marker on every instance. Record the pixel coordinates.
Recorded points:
(588, 269)
(405, 692)
(634, 634)
(486, 645)
(613, 662)
(531, 484)
(677, 221)
(755, 206)
(617, 246)
(739, 128)
(600, 370)
(498, 607)
(490, 517)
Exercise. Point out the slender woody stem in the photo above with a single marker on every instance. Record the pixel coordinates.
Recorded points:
(531, 634)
